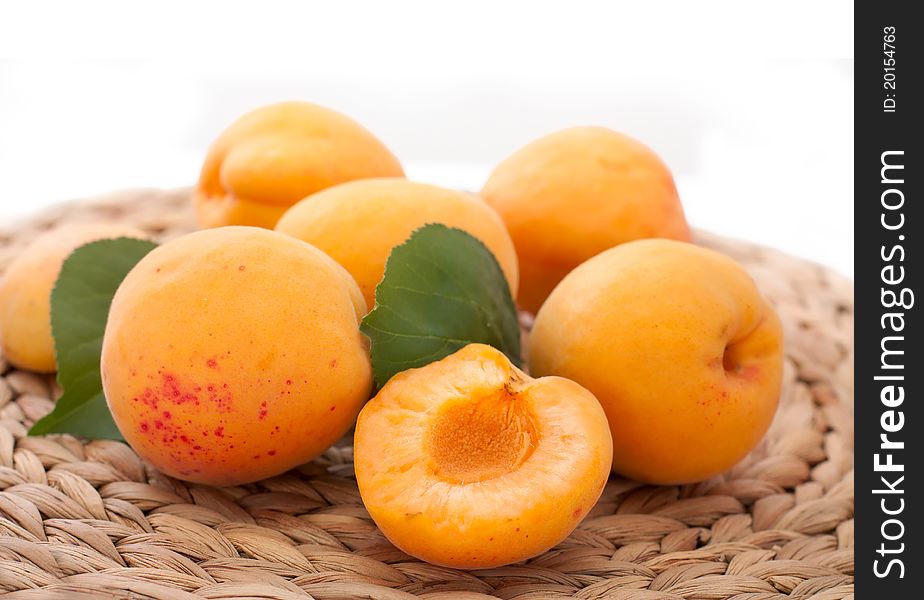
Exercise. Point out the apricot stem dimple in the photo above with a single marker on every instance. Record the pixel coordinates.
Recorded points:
(728, 361)
(473, 440)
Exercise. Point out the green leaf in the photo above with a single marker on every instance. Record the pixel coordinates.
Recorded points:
(442, 290)
(80, 303)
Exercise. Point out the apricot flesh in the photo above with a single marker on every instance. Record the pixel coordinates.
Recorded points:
(358, 224)
(680, 348)
(234, 354)
(575, 193)
(470, 463)
(274, 156)
(25, 291)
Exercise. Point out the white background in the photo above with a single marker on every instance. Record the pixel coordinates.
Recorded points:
(750, 105)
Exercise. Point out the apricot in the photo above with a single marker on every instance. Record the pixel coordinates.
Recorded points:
(680, 348)
(274, 156)
(234, 354)
(575, 193)
(470, 463)
(358, 224)
(25, 291)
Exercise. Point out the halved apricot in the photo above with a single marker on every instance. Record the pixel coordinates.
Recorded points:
(470, 463)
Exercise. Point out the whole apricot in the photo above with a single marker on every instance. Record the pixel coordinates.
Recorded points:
(575, 193)
(358, 224)
(274, 156)
(25, 291)
(679, 347)
(470, 463)
(234, 354)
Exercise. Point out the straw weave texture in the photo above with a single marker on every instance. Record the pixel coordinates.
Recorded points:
(90, 520)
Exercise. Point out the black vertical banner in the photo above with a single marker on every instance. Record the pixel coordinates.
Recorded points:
(889, 145)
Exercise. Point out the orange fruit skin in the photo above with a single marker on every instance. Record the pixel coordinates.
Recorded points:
(358, 223)
(234, 354)
(494, 514)
(680, 348)
(575, 193)
(25, 291)
(274, 156)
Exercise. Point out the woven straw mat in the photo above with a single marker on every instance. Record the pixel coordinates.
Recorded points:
(90, 520)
